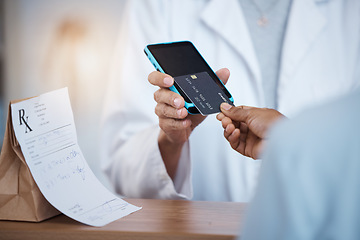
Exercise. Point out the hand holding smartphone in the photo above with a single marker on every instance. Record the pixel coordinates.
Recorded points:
(194, 80)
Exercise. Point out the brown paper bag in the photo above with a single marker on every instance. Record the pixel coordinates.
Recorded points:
(20, 197)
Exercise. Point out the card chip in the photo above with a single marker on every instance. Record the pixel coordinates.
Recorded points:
(203, 92)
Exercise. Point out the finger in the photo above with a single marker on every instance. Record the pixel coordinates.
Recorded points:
(234, 140)
(160, 79)
(237, 124)
(243, 127)
(171, 125)
(220, 116)
(234, 137)
(169, 97)
(225, 122)
(251, 141)
(230, 128)
(240, 113)
(242, 136)
(223, 74)
(243, 132)
(165, 111)
(226, 135)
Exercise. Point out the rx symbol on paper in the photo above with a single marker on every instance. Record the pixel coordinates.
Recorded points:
(24, 120)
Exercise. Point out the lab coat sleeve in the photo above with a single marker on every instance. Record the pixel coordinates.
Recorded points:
(130, 154)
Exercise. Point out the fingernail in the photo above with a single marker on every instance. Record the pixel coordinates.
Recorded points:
(186, 122)
(225, 106)
(177, 102)
(217, 117)
(178, 112)
(227, 129)
(168, 81)
(233, 133)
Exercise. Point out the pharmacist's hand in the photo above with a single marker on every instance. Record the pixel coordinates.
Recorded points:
(246, 127)
(175, 122)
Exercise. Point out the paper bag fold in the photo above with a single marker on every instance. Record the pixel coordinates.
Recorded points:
(20, 197)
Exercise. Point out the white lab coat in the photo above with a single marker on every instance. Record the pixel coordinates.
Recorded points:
(320, 55)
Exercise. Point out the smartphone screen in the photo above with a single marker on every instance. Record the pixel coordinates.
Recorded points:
(182, 58)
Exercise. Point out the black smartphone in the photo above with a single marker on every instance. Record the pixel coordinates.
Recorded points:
(194, 80)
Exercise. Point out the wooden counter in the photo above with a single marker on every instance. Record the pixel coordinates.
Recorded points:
(159, 219)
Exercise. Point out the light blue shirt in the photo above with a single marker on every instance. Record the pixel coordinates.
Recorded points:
(309, 185)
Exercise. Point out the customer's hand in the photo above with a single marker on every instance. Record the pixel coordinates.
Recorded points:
(175, 122)
(246, 128)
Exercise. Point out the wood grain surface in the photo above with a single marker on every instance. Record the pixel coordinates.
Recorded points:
(158, 219)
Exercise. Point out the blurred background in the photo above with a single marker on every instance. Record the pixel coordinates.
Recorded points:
(46, 45)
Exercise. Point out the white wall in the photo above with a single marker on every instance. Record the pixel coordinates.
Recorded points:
(39, 57)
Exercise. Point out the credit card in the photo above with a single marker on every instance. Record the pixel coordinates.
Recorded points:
(202, 90)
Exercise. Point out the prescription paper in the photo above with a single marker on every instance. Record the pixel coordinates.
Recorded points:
(45, 129)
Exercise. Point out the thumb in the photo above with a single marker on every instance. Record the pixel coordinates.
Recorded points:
(239, 114)
(223, 74)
